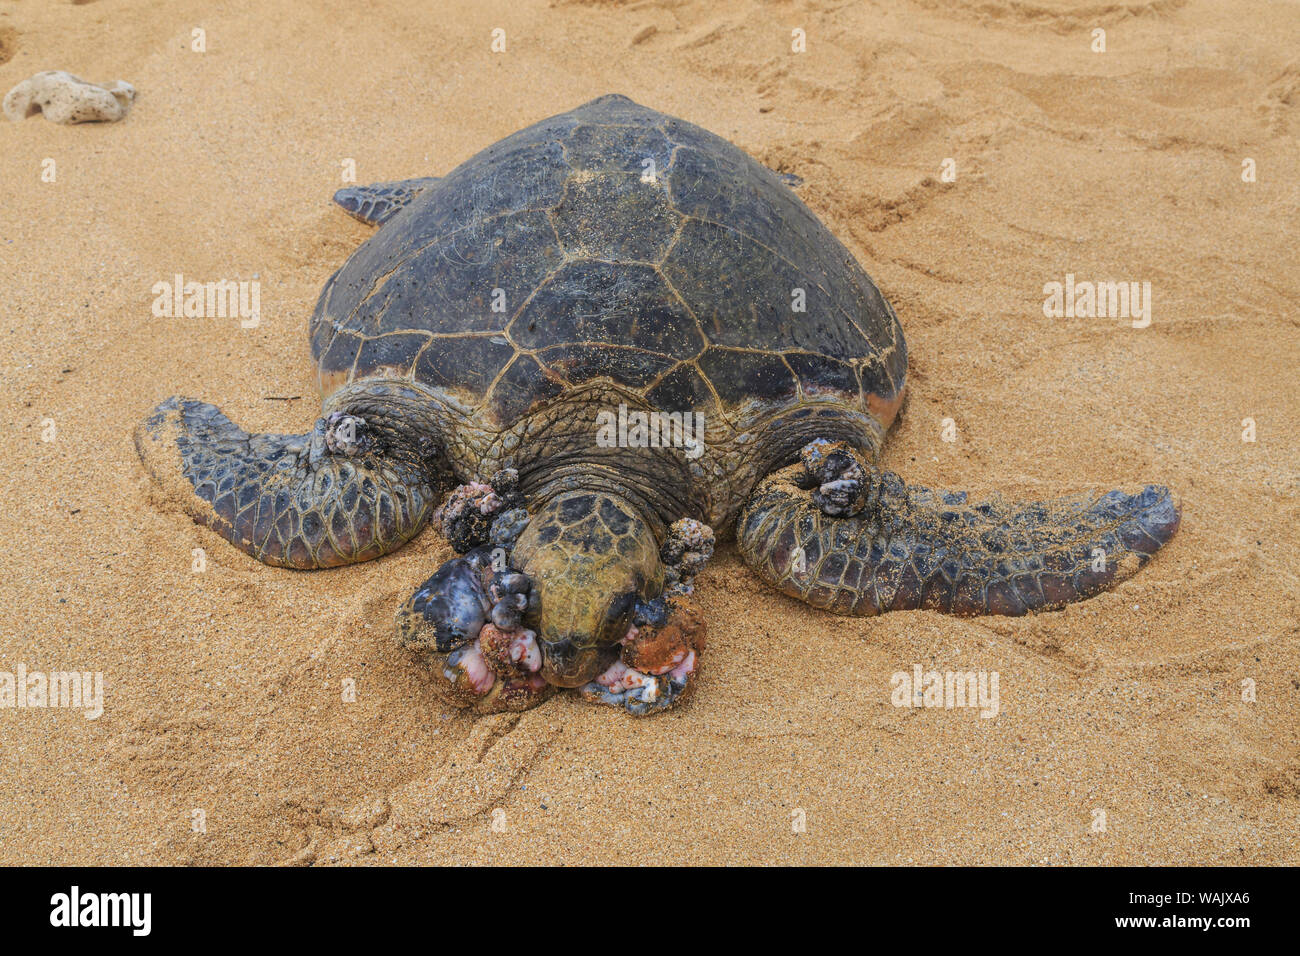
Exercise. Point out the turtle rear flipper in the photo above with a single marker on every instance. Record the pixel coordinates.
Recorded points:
(336, 495)
(377, 203)
(867, 543)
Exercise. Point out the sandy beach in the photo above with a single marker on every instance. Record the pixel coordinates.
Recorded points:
(968, 153)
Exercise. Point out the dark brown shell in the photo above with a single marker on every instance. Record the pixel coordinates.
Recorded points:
(552, 259)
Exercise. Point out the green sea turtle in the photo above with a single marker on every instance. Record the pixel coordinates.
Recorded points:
(617, 332)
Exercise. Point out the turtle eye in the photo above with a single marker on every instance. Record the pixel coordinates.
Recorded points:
(621, 606)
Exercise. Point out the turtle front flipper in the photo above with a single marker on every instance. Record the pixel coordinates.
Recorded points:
(346, 491)
(843, 536)
(377, 203)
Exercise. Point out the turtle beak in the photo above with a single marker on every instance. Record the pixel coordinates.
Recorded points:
(566, 664)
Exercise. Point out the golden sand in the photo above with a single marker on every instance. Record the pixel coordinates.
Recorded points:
(224, 689)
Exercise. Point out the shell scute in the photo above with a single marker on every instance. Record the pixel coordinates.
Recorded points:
(615, 216)
(452, 285)
(600, 302)
(601, 148)
(394, 350)
(467, 365)
(519, 388)
(746, 297)
(579, 364)
(738, 375)
(818, 374)
(681, 389)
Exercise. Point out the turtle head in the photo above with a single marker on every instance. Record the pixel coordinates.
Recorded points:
(591, 558)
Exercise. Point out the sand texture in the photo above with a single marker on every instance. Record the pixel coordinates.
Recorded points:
(223, 690)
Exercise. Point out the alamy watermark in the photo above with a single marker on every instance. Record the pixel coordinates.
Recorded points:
(133, 911)
(635, 429)
(74, 690)
(1098, 300)
(223, 299)
(947, 689)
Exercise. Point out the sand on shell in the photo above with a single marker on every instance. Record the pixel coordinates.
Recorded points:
(225, 737)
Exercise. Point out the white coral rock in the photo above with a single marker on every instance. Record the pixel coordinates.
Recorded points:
(65, 98)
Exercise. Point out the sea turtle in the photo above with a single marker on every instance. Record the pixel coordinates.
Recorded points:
(618, 333)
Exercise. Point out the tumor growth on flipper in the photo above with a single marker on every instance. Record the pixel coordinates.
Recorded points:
(466, 622)
(659, 660)
(659, 657)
